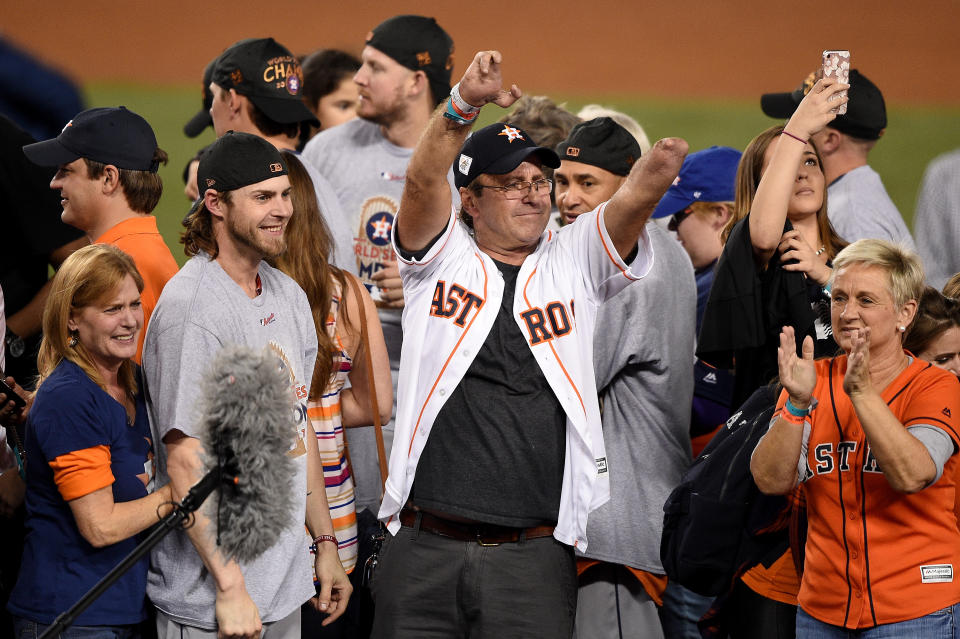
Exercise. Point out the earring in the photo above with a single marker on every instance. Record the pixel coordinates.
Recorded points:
(902, 329)
(73, 341)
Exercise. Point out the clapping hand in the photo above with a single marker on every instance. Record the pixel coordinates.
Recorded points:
(797, 374)
(857, 378)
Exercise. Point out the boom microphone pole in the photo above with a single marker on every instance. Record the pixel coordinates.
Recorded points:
(246, 426)
(197, 494)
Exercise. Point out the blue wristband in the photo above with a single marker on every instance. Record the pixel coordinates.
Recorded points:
(462, 118)
(796, 412)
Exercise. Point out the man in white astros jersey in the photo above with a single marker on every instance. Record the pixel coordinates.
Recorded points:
(498, 455)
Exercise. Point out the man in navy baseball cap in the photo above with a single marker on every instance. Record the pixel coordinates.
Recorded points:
(107, 161)
(110, 135)
(499, 317)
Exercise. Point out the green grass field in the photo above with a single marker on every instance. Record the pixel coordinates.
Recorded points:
(915, 136)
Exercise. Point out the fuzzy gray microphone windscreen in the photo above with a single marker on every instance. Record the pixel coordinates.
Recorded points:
(247, 427)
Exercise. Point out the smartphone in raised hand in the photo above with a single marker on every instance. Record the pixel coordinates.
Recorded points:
(836, 64)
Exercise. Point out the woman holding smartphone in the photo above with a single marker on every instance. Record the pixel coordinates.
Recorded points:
(773, 271)
(778, 246)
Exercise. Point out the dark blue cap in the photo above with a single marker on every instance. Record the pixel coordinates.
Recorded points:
(709, 175)
(110, 135)
(497, 149)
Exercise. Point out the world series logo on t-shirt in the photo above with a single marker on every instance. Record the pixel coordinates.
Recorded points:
(372, 241)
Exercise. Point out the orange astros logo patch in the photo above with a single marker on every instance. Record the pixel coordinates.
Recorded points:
(423, 58)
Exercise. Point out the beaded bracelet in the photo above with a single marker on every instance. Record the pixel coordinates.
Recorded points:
(798, 139)
(319, 539)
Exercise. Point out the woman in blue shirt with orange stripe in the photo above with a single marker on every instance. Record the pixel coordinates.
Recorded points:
(88, 452)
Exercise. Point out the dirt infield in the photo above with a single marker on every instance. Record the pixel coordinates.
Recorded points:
(718, 49)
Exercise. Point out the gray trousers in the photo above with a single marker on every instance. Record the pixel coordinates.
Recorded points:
(612, 604)
(286, 628)
(428, 586)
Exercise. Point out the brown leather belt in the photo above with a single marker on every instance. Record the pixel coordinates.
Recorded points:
(483, 534)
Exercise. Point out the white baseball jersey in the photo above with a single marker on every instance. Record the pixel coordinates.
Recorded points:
(452, 298)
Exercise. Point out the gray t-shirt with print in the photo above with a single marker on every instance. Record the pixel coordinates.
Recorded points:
(200, 310)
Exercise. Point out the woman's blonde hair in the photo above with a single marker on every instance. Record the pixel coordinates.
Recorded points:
(904, 268)
(87, 277)
(749, 172)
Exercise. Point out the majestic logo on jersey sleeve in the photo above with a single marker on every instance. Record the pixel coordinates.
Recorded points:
(543, 324)
(456, 302)
(936, 574)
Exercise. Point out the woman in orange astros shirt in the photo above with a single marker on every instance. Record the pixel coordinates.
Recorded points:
(871, 436)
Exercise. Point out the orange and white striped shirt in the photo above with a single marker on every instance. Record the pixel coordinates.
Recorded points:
(325, 415)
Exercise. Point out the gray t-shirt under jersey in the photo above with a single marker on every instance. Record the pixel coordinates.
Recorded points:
(201, 310)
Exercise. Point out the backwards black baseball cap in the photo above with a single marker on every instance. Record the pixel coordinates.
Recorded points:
(419, 44)
(269, 75)
(202, 119)
(603, 143)
(110, 135)
(233, 161)
(497, 149)
(866, 116)
(236, 160)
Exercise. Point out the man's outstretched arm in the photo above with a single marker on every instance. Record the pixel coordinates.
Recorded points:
(633, 203)
(425, 205)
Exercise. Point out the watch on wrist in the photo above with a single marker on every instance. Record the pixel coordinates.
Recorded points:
(14, 344)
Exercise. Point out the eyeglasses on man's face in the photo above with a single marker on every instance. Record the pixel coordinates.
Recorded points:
(520, 189)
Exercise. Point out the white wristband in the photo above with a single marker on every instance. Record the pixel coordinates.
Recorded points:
(462, 105)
